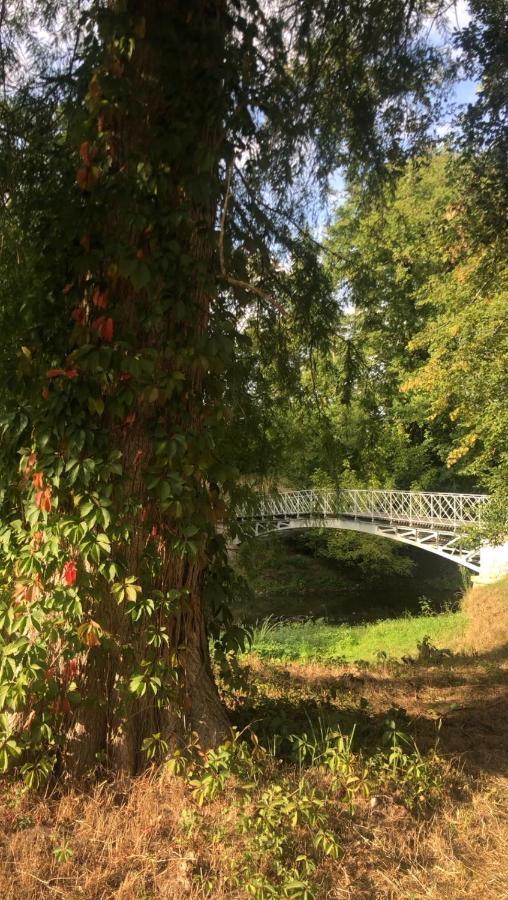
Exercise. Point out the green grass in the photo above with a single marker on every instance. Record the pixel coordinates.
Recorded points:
(314, 640)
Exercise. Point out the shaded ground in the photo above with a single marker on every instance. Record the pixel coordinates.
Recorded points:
(460, 700)
(462, 705)
(143, 839)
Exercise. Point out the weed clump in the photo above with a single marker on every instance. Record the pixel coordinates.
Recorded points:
(287, 814)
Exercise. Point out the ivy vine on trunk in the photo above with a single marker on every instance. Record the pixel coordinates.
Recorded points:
(120, 437)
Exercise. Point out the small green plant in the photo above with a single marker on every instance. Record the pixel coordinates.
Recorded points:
(425, 606)
(9, 747)
(37, 772)
(277, 817)
(189, 821)
(155, 747)
(452, 604)
(419, 779)
(209, 773)
(282, 804)
(63, 853)
(428, 654)
(23, 822)
(262, 631)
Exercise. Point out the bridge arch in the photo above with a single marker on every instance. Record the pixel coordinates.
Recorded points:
(432, 521)
(415, 537)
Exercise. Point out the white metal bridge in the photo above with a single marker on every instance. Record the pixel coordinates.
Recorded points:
(437, 522)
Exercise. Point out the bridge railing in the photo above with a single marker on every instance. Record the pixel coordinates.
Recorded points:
(411, 507)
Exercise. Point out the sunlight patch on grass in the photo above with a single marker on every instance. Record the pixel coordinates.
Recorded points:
(318, 640)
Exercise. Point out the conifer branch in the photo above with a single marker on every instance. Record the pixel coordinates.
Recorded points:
(229, 279)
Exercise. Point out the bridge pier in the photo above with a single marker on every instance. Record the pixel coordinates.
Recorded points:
(493, 564)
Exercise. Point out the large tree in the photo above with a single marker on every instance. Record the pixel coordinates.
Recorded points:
(164, 154)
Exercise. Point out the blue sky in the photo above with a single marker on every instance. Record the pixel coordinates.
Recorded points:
(465, 91)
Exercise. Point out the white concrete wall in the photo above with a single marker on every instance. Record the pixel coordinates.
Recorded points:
(493, 564)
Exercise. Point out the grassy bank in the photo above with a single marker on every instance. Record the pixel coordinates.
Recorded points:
(390, 638)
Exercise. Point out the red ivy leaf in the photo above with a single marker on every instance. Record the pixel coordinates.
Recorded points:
(87, 176)
(70, 572)
(31, 462)
(86, 153)
(70, 669)
(104, 327)
(67, 373)
(100, 298)
(43, 499)
(61, 706)
(79, 315)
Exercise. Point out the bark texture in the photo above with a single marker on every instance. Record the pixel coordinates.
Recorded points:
(170, 90)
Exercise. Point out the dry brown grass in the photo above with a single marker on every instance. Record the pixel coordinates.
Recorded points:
(461, 854)
(130, 842)
(125, 847)
(487, 611)
(121, 836)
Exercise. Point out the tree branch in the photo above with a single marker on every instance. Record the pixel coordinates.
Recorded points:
(285, 215)
(229, 279)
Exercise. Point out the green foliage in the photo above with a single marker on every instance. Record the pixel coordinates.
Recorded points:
(63, 853)
(484, 130)
(428, 293)
(373, 557)
(9, 748)
(281, 824)
(385, 249)
(465, 337)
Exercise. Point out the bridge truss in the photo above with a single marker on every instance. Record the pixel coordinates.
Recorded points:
(437, 522)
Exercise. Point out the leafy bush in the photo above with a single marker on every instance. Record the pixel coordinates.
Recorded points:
(374, 557)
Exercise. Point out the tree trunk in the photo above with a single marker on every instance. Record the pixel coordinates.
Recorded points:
(171, 95)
